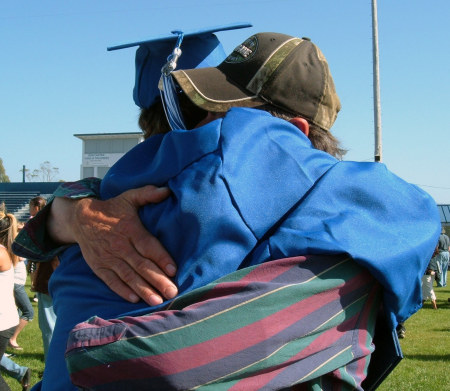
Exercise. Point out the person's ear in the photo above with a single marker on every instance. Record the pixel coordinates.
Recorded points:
(302, 124)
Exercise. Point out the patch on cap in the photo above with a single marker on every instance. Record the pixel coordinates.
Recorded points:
(244, 51)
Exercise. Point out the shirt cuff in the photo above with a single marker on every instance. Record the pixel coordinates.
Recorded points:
(33, 241)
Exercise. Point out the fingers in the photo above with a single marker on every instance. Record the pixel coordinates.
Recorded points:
(151, 281)
(136, 278)
(145, 273)
(116, 284)
(147, 194)
(150, 248)
(145, 243)
(146, 276)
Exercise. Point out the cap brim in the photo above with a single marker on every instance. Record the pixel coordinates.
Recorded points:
(210, 89)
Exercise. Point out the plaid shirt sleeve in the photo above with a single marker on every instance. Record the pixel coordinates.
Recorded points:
(33, 241)
(292, 324)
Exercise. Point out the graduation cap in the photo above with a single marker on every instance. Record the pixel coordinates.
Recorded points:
(199, 48)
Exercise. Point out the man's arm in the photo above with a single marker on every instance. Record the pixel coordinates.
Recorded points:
(284, 322)
(115, 244)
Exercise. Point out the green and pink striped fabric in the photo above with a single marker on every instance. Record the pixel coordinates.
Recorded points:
(296, 322)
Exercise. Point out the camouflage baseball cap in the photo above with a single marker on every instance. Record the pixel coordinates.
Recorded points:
(287, 72)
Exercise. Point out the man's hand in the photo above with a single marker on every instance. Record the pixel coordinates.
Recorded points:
(116, 245)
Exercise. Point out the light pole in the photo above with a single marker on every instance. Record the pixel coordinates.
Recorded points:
(376, 84)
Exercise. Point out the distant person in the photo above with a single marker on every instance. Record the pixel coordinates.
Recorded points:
(39, 282)
(16, 371)
(35, 205)
(9, 318)
(26, 312)
(443, 258)
(46, 313)
(433, 270)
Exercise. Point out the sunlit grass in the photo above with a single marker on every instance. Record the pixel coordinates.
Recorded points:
(426, 348)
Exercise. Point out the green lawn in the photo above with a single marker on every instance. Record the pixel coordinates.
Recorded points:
(426, 348)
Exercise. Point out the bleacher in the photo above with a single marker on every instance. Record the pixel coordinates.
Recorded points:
(17, 203)
(17, 196)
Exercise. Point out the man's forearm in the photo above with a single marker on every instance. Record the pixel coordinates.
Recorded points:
(61, 218)
(267, 326)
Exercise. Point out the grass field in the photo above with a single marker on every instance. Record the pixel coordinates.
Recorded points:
(426, 348)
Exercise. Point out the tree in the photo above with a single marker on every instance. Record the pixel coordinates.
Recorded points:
(46, 173)
(3, 176)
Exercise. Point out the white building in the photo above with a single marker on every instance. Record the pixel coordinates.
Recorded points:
(102, 150)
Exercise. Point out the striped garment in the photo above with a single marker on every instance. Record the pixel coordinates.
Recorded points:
(305, 320)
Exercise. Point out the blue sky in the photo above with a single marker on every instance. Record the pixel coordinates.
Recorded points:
(57, 79)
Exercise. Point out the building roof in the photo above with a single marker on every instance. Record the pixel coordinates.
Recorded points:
(444, 211)
(90, 136)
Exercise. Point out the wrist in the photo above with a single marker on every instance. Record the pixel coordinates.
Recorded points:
(63, 219)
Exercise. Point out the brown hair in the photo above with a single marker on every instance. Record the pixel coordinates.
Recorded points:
(320, 138)
(153, 120)
(38, 202)
(8, 232)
